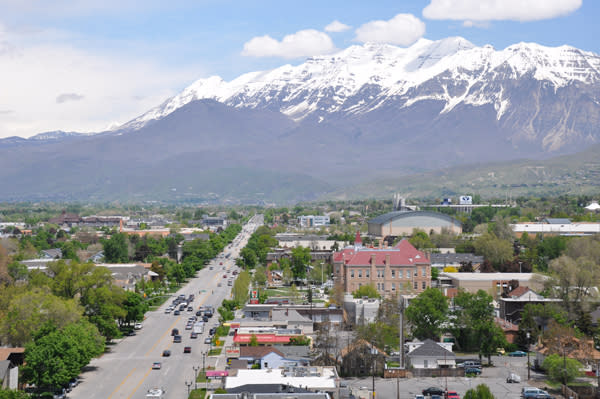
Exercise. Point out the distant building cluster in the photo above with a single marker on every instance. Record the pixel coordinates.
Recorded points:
(313, 220)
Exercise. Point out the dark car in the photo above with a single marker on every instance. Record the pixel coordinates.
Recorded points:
(176, 313)
(193, 335)
(212, 331)
(433, 391)
(205, 319)
(187, 349)
(199, 313)
(177, 339)
(473, 370)
(174, 332)
(166, 353)
(517, 354)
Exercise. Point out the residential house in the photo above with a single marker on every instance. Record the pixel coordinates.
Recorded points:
(270, 357)
(361, 358)
(432, 355)
(513, 304)
(10, 360)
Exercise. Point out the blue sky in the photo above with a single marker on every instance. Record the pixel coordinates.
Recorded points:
(83, 66)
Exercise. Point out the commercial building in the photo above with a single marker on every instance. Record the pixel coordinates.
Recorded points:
(401, 269)
(492, 283)
(402, 223)
(556, 226)
(313, 220)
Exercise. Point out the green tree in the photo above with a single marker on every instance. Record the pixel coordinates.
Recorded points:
(554, 365)
(260, 276)
(116, 249)
(57, 355)
(497, 251)
(241, 286)
(135, 308)
(420, 240)
(253, 340)
(248, 256)
(427, 314)
(366, 290)
(482, 391)
(13, 394)
(300, 259)
(30, 309)
(104, 306)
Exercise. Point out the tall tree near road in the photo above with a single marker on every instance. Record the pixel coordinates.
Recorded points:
(427, 314)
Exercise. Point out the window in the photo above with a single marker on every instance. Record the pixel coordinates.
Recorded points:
(382, 286)
(425, 363)
(424, 285)
(367, 274)
(337, 270)
(352, 273)
(393, 286)
(393, 273)
(400, 273)
(424, 271)
(416, 285)
(360, 273)
(415, 272)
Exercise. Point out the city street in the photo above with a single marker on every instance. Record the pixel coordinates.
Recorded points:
(125, 371)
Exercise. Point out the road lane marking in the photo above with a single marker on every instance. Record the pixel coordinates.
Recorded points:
(140, 383)
(161, 338)
(122, 382)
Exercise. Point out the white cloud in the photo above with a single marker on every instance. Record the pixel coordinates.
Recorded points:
(336, 26)
(403, 30)
(300, 44)
(50, 85)
(496, 10)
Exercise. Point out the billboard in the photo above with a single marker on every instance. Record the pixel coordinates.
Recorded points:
(465, 200)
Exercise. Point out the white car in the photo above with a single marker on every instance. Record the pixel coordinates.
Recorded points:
(137, 326)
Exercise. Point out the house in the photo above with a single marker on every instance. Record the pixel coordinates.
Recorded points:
(54, 253)
(10, 360)
(66, 219)
(401, 269)
(361, 358)
(432, 355)
(492, 283)
(513, 304)
(270, 357)
(510, 330)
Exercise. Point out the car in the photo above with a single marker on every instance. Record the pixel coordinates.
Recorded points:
(212, 331)
(432, 391)
(174, 332)
(224, 276)
(234, 272)
(189, 326)
(131, 333)
(207, 341)
(419, 397)
(500, 351)
(156, 365)
(190, 309)
(473, 370)
(452, 395)
(534, 393)
(513, 378)
(187, 349)
(177, 339)
(219, 285)
(517, 354)
(166, 353)
(205, 319)
(137, 326)
(168, 310)
(220, 263)
(176, 313)
(193, 335)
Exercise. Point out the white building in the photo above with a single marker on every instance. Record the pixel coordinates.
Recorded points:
(313, 220)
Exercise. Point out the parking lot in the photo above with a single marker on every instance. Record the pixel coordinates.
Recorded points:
(494, 377)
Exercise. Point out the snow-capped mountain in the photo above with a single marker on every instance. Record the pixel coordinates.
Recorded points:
(361, 79)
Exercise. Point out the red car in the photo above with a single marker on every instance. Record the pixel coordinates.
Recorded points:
(224, 276)
(187, 349)
(452, 395)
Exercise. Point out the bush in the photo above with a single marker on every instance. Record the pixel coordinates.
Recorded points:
(555, 367)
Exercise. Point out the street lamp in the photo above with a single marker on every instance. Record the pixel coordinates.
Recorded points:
(204, 371)
(374, 360)
(196, 369)
(528, 347)
(188, 384)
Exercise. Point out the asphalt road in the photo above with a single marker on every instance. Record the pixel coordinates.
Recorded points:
(125, 372)
(493, 377)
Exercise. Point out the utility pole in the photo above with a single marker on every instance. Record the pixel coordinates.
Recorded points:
(401, 349)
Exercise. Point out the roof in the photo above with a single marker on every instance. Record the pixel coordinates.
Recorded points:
(314, 378)
(455, 258)
(431, 348)
(258, 352)
(262, 338)
(593, 206)
(404, 253)
(6, 352)
(357, 239)
(360, 343)
(488, 276)
(265, 388)
(557, 221)
(387, 217)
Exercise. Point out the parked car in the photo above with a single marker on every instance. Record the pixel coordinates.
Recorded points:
(473, 370)
(137, 326)
(419, 397)
(156, 365)
(212, 331)
(517, 354)
(512, 377)
(432, 391)
(534, 393)
(500, 351)
(207, 341)
(452, 395)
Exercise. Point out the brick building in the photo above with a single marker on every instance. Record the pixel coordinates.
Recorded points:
(401, 269)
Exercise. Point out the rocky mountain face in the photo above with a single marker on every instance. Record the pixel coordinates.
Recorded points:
(295, 132)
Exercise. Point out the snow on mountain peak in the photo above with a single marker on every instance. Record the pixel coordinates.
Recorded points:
(323, 84)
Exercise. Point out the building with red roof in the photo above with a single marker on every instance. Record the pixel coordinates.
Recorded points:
(401, 269)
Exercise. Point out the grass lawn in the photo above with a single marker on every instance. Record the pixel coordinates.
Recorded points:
(214, 352)
(197, 394)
